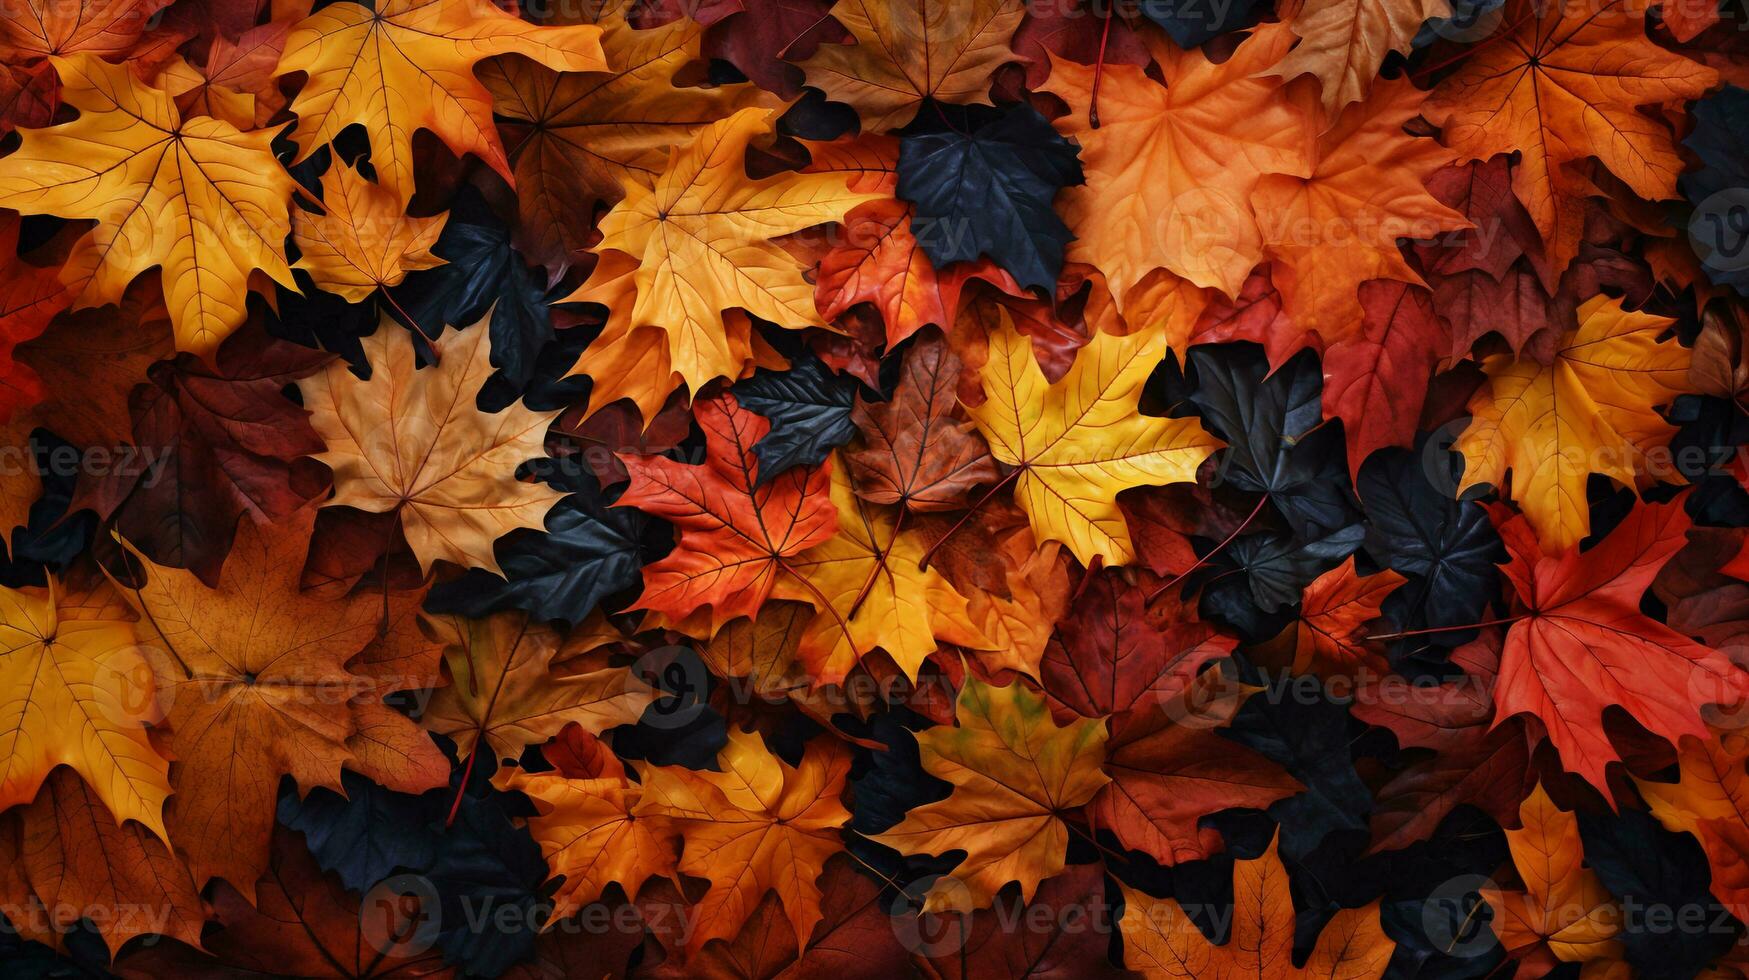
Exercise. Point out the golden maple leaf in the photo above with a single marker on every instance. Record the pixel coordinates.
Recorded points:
(756, 826)
(869, 572)
(364, 241)
(1566, 84)
(1590, 410)
(408, 65)
(1162, 942)
(1564, 910)
(589, 833)
(1171, 168)
(258, 684)
(904, 53)
(1077, 443)
(702, 238)
(1014, 770)
(197, 198)
(578, 137)
(1343, 42)
(413, 441)
(504, 691)
(79, 692)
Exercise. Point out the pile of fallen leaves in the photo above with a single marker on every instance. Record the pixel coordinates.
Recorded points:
(956, 488)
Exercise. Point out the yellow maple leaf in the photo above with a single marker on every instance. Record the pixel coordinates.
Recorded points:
(1162, 941)
(364, 241)
(756, 826)
(413, 441)
(702, 237)
(1564, 908)
(869, 572)
(197, 198)
(1590, 410)
(577, 137)
(409, 64)
(1077, 443)
(905, 53)
(1014, 770)
(503, 690)
(1343, 42)
(78, 692)
(1171, 168)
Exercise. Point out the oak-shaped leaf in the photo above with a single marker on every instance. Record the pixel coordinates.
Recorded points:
(989, 191)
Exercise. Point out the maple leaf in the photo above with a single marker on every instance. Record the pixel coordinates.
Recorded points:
(1014, 773)
(1709, 801)
(736, 535)
(1584, 644)
(1171, 168)
(30, 296)
(257, 686)
(871, 573)
(79, 694)
(1373, 379)
(1566, 84)
(576, 138)
(32, 30)
(1588, 411)
(907, 53)
(701, 234)
(755, 826)
(80, 862)
(200, 200)
(506, 691)
(363, 243)
(414, 442)
(237, 83)
(301, 921)
(1344, 42)
(589, 834)
(1564, 913)
(218, 441)
(1334, 611)
(1338, 227)
(1075, 444)
(915, 453)
(1161, 940)
(408, 65)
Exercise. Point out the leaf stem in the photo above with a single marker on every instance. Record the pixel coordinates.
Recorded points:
(923, 562)
(1098, 73)
(1447, 629)
(1213, 551)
